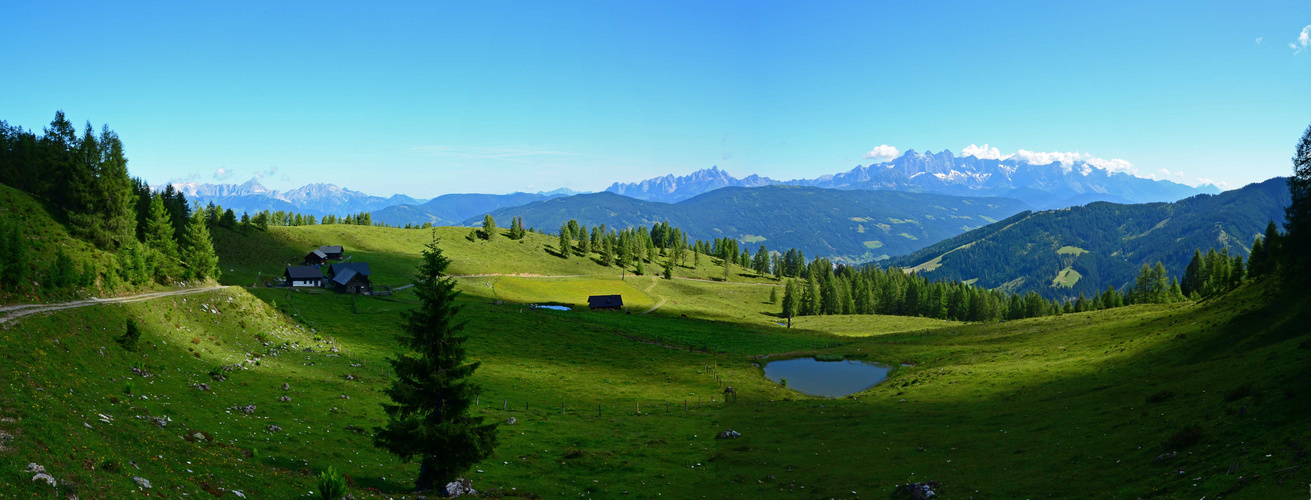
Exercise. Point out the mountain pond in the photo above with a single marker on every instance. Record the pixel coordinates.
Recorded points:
(826, 378)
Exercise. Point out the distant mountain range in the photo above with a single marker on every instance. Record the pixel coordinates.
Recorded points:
(1060, 253)
(846, 225)
(454, 209)
(312, 199)
(324, 199)
(1053, 185)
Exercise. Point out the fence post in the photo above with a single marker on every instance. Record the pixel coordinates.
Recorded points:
(598, 410)
(562, 407)
(505, 405)
(639, 407)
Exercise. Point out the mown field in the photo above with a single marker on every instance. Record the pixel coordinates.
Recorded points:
(1078, 406)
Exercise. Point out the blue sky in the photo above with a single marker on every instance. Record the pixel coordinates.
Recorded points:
(432, 98)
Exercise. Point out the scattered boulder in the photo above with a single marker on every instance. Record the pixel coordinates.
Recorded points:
(140, 373)
(248, 409)
(1165, 456)
(458, 487)
(920, 491)
(274, 428)
(286, 386)
(729, 434)
(511, 421)
(142, 482)
(203, 387)
(350, 376)
(199, 437)
(50, 480)
(218, 377)
(33, 468)
(285, 398)
(343, 396)
(160, 422)
(238, 493)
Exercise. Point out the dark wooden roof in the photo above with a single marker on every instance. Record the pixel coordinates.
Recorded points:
(359, 267)
(304, 273)
(604, 301)
(318, 253)
(345, 276)
(330, 249)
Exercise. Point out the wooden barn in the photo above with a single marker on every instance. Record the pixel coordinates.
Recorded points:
(303, 276)
(316, 258)
(351, 277)
(332, 252)
(605, 302)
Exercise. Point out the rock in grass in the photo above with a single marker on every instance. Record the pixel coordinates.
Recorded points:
(511, 421)
(50, 480)
(458, 487)
(729, 434)
(34, 468)
(142, 482)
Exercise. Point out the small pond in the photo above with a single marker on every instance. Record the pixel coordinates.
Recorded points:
(554, 308)
(826, 378)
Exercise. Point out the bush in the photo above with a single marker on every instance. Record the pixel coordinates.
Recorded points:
(829, 357)
(1160, 396)
(1240, 392)
(130, 336)
(331, 485)
(1184, 438)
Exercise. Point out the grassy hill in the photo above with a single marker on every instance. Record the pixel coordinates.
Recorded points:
(45, 234)
(1080, 405)
(1061, 253)
(850, 226)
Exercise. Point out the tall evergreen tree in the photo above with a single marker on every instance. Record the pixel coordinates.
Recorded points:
(429, 416)
(566, 242)
(198, 249)
(163, 250)
(489, 227)
(790, 301)
(1298, 214)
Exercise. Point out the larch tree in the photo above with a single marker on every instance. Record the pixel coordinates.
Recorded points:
(489, 227)
(429, 414)
(566, 242)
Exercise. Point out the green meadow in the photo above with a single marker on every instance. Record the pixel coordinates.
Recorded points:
(1200, 399)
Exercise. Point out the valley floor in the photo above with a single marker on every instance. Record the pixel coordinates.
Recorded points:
(1167, 401)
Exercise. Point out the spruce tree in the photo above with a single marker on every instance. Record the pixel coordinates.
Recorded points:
(790, 301)
(429, 417)
(773, 295)
(1298, 213)
(159, 240)
(489, 227)
(198, 249)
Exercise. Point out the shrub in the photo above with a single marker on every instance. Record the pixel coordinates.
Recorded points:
(1160, 396)
(331, 485)
(1186, 437)
(130, 336)
(1240, 392)
(829, 357)
(127, 388)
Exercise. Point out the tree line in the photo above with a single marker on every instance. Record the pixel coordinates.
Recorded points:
(84, 181)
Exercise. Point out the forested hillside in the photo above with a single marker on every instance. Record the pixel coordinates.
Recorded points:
(74, 222)
(1062, 253)
(846, 226)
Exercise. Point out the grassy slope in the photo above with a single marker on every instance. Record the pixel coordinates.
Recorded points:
(44, 237)
(1048, 407)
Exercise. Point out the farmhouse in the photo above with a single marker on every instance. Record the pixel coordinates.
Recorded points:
(609, 302)
(351, 277)
(316, 257)
(303, 276)
(333, 252)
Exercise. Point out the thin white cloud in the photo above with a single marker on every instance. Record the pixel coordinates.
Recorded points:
(1066, 159)
(982, 152)
(1041, 158)
(266, 173)
(222, 174)
(1113, 165)
(881, 153)
(1258, 40)
(1303, 40)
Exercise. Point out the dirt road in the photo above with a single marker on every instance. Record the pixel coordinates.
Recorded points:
(11, 313)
